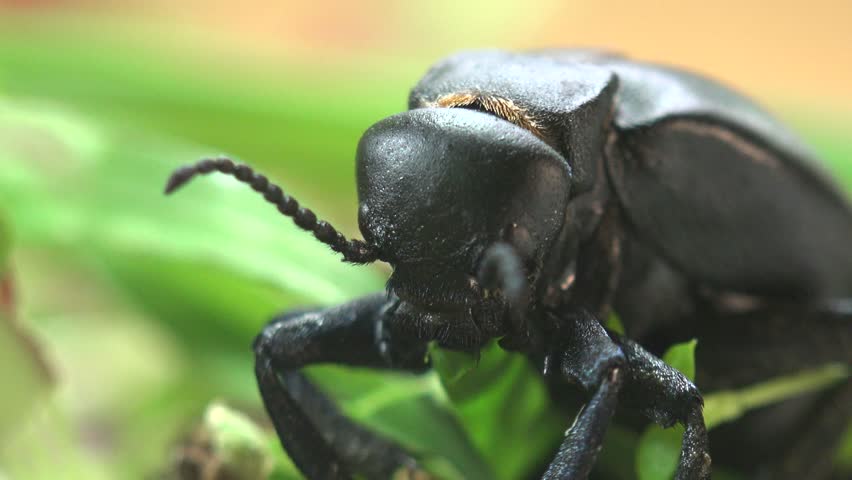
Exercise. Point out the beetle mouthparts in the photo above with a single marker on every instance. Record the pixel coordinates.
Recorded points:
(500, 267)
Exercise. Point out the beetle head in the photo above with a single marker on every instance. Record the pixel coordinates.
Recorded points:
(438, 187)
(457, 201)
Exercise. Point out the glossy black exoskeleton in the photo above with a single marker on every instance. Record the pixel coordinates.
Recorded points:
(524, 196)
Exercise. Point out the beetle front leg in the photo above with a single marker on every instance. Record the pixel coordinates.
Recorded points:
(321, 441)
(589, 357)
(586, 356)
(667, 397)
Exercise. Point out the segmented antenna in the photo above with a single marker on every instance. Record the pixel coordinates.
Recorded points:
(353, 251)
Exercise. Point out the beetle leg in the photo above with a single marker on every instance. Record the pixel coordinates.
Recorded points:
(591, 359)
(667, 397)
(321, 441)
(583, 440)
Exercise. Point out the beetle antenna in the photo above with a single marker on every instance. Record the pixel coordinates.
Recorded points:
(501, 267)
(353, 251)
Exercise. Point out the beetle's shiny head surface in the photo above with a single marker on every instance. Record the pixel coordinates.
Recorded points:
(438, 186)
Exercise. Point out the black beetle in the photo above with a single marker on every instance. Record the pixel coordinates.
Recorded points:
(522, 197)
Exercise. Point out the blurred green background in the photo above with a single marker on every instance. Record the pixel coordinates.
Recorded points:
(124, 315)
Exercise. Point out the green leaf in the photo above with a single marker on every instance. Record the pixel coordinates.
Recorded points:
(614, 324)
(210, 264)
(726, 406)
(682, 357)
(101, 197)
(658, 452)
(451, 366)
(294, 119)
(617, 457)
(843, 457)
(412, 409)
(5, 241)
(658, 449)
(502, 399)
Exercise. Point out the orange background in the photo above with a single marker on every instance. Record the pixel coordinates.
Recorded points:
(786, 51)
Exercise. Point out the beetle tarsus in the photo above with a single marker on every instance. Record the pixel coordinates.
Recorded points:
(695, 462)
(667, 397)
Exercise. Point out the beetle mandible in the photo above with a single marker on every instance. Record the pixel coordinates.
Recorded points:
(525, 195)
